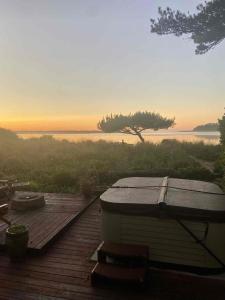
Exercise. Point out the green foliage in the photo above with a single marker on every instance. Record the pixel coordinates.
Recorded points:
(63, 178)
(61, 166)
(202, 151)
(17, 229)
(206, 28)
(134, 123)
(207, 127)
(6, 134)
(220, 169)
(87, 186)
(222, 130)
(220, 164)
(221, 161)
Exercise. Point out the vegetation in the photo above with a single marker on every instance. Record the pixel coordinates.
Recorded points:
(222, 130)
(206, 28)
(207, 127)
(62, 166)
(134, 123)
(209, 153)
(7, 135)
(221, 163)
(17, 229)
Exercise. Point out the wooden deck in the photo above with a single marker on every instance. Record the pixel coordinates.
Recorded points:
(45, 223)
(62, 272)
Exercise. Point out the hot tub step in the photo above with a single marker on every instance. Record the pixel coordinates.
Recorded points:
(108, 273)
(128, 254)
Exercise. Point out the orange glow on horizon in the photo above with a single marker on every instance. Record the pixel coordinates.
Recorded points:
(77, 123)
(48, 124)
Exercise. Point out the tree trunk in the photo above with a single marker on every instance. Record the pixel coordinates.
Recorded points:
(140, 137)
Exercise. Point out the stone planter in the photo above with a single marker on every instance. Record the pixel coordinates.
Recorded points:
(16, 240)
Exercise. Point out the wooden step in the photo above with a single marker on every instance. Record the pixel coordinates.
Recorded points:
(108, 273)
(136, 255)
(3, 209)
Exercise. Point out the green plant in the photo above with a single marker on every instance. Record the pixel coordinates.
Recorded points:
(17, 237)
(67, 167)
(17, 229)
(222, 130)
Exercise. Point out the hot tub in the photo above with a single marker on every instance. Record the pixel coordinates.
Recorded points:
(182, 221)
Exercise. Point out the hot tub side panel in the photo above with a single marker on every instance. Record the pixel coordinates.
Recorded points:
(167, 240)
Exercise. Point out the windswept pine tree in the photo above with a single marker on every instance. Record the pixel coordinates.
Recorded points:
(135, 123)
(206, 28)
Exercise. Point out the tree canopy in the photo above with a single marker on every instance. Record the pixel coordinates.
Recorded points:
(206, 27)
(134, 123)
(207, 127)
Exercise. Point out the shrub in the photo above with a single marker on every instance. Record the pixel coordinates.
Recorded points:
(87, 186)
(63, 179)
(62, 166)
(222, 130)
(6, 134)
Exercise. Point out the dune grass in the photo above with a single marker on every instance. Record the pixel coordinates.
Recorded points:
(61, 166)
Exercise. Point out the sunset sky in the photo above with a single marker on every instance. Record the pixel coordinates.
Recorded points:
(65, 64)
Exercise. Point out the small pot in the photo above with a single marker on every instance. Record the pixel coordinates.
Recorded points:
(17, 237)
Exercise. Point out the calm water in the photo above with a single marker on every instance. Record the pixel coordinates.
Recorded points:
(156, 137)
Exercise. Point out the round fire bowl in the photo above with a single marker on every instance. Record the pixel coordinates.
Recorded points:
(27, 202)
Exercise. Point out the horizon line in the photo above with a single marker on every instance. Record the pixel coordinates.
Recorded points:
(88, 131)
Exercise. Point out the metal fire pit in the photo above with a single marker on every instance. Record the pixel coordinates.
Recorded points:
(27, 202)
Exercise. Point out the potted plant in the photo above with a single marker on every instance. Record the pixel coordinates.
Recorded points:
(17, 237)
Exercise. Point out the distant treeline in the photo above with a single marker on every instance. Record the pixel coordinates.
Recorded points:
(207, 127)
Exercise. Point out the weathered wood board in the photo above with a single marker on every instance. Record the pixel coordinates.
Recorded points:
(63, 272)
(45, 223)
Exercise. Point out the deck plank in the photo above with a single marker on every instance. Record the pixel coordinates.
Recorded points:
(63, 271)
(47, 222)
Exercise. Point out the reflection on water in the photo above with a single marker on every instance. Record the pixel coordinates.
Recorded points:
(155, 137)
